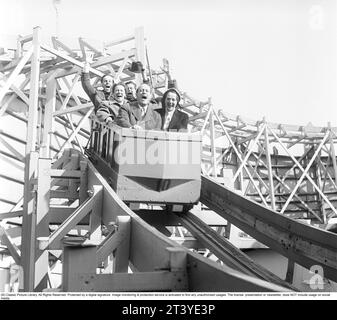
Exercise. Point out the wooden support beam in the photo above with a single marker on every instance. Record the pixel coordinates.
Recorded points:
(6, 240)
(287, 236)
(307, 176)
(34, 94)
(71, 60)
(48, 118)
(242, 162)
(250, 150)
(65, 174)
(74, 133)
(59, 214)
(178, 263)
(121, 262)
(83, 43)
(78, 262)
(133, 282)
(75, 218)
(118, 41)
(290, 271)
(83, 106)
(333, 153)
(42, 223)
(58, 44)
(29, 222)
(11, 214)
(270, 170)
(83, 192)
(213, 155)
(13, 76)
(95, 221)
(281, 182)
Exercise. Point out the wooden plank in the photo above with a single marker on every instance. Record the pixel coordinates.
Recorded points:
(302, 243)
(227, 252)
(75, 132)
(42, 223)
(65, 174)
(58, 215)
(12, 214)
(122, 253)
(6, 240)
(133, 282)
(71, 60)
(73, 109)
(148, 250)
(48, 119)
(118, 41)
(75, 218)
(34, 94)
(77, 260)
(14, 75)
(63, 194)
(29, 222)
(270, 172)
(83, 192)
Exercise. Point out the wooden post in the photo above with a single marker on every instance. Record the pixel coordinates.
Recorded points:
(320, 185)
(290, 271)
(29, 209)
(48, 117)
(178, 263)
(29, 223)
(121, 262)
(34, 93)
(73, 165)
(42, 223)
(212, 132)
(270, 170)
(83, 193)
(95, 221)
(333, 153)
(77, 260)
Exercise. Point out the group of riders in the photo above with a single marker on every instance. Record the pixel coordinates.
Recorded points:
(134, 107)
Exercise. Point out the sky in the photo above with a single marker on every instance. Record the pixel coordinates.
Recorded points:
(274, 58)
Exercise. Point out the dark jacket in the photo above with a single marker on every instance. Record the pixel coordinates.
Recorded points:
(109, 109)
(130, 115)
(178, 122)
(132, 99)
(96, 96)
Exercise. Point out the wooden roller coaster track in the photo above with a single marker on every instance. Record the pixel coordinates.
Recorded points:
(261, 177)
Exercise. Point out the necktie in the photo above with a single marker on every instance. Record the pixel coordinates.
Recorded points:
(167, 121)
(143, 111)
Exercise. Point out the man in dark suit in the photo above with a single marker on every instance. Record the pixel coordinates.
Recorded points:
(172, 118)
(140, 114)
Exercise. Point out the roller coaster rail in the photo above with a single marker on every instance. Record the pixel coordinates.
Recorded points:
(276, 182)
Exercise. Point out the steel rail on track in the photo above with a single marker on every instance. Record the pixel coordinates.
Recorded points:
(304, 244)
(226, 251)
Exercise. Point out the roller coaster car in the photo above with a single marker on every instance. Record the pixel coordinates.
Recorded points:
(152, 167)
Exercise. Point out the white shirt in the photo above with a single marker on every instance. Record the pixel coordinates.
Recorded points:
(168, 118)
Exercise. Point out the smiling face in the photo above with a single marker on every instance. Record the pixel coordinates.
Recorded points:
(144, 94)
(130, 90)
(119, 93)
(107, 83)
(171, 101)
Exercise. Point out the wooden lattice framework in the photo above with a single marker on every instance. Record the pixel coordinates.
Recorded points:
(290, 169)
